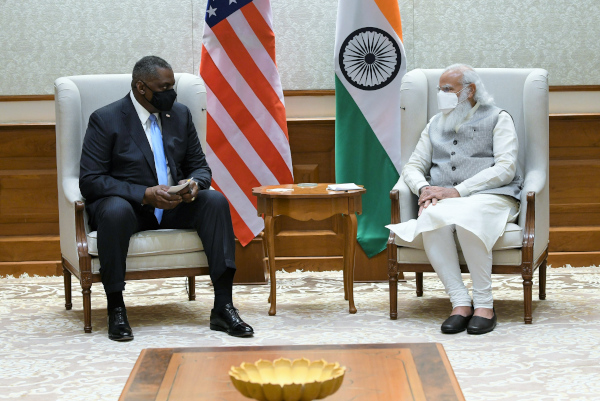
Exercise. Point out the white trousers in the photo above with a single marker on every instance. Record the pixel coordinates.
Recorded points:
(441, 249)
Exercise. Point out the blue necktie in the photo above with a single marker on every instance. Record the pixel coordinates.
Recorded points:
(160, 161)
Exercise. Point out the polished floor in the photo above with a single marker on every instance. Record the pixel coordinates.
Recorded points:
(44, 354)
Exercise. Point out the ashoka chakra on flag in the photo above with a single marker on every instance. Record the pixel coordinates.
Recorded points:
(369, 58)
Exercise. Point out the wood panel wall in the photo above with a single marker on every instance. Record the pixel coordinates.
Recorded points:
(29, 212)
(29, 241)
(574, 190)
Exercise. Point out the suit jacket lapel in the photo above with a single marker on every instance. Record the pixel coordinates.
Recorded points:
(168, 130)
(134, 126)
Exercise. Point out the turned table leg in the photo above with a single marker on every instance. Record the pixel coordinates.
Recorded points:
(270, 235)
(350, 227)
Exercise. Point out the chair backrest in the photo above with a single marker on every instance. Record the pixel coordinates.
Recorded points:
(76, 98)
(521, 92)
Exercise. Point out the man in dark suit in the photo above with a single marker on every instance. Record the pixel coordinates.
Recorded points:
(134, 150)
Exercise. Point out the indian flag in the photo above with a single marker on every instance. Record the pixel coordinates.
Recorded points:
(369, 66)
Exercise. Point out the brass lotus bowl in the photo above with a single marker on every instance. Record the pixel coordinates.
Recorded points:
(286, 380)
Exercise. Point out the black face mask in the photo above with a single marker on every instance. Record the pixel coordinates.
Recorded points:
(164, 100)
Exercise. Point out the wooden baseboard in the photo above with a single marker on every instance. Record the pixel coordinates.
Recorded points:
(44, 268)
(575, 259)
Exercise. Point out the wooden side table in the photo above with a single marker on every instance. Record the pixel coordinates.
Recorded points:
(310, 203)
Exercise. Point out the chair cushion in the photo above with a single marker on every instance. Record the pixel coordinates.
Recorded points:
(511, 239)
(507, 257)
(155, 242)
(160, 262)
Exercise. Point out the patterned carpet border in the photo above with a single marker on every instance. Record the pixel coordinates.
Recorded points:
(44, 354)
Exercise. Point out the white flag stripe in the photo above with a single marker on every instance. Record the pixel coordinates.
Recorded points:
(234, 193)
(383, 124)
(264, 7)
(252, 103)
(259, 54)
(238, 140)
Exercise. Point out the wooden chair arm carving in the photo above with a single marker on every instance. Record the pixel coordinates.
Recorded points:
(81, 238)
(395, 198)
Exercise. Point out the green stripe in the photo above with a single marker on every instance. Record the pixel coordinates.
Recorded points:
(360, 158)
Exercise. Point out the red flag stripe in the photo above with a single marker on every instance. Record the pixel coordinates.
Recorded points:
(224, 151)
(240, 57)
(258, 110)
(234, 193)
(242, 232)
(261, 28)
(238, 141)
(244, 120)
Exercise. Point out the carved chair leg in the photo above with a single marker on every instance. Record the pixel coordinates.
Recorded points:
(191, 288)
(543, 280)
(87, 308)
(419, 283)
(67, 277)
(393, 283)
(527, 295)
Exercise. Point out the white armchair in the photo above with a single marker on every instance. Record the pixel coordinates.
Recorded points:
(152, 254)
(524, 245)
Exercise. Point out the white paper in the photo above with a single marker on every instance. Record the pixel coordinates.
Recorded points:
(280, 190)
(176, 188)
(343, 187)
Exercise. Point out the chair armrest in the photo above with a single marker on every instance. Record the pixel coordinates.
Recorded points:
(71, 190)
(407, 201)
(81, 238)
(535, 213)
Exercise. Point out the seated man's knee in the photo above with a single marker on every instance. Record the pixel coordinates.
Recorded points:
(216, 199)
(117, 211)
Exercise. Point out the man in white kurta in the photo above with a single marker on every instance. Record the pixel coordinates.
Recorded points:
(464, 170)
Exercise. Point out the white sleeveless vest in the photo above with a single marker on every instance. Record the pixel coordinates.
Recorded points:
(460, 155)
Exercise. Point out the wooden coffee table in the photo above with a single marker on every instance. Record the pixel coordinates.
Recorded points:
(383, 372)
(310, 203)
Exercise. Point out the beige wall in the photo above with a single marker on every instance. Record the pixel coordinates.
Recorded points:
(41, 40)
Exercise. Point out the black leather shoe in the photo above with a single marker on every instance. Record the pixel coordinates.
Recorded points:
(118, 326)
(455, 324)
(227, 319)
(481, 325)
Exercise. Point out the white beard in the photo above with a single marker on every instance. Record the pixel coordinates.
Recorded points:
(459, 113)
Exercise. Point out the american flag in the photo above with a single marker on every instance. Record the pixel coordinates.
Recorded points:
(247, 139)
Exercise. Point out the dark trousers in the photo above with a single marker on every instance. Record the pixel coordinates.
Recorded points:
(116, 220)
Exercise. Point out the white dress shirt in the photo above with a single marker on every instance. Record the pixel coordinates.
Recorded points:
(144, 116)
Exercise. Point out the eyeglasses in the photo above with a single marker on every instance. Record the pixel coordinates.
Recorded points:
(448, 89)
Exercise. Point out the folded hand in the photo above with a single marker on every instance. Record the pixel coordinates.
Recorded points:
(430, 195)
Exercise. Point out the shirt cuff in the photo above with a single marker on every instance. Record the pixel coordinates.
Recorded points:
(420, 185)
(462, 190)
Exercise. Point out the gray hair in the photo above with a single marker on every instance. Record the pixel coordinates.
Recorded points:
(471, 77)
(147, 68)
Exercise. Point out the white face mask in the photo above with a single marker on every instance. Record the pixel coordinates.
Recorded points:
(447, 101)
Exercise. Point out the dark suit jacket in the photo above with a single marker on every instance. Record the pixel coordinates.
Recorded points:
(116, 159)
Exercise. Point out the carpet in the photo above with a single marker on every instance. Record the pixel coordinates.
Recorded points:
(45, 355)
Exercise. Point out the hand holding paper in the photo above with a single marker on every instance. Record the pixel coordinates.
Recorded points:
(176, 188)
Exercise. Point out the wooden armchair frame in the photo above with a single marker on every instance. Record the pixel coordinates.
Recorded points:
(87, 278)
